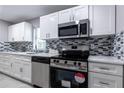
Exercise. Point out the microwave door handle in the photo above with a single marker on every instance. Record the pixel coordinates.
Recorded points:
(80, 32)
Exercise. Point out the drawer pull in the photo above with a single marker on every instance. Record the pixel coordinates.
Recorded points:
(103, 68)
(104, 83)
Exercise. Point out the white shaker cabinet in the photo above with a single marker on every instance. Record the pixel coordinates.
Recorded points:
(98, 80)
(73, 14)
(26, 71)
(80, 12)
(49, 23)
(11, 33)
(16, 66)
(20, 32)
(16, 69)
(65, 16)
(102, 19)
(43, 27)
(119, 18)
(21, 68)
(103, 75)
(49, 26)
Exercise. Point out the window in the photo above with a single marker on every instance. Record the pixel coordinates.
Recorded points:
(38, 44)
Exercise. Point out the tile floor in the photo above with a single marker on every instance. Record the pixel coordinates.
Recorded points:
(8, 82)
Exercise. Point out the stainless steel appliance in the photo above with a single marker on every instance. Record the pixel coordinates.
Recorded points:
(40, 71)
(70, 69)
(74, 29)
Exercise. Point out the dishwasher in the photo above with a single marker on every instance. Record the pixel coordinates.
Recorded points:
(40, 71)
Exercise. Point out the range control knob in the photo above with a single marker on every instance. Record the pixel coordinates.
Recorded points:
(54, 60)
(75, 63)
(79, 64)
(57, 61)
(65, 62)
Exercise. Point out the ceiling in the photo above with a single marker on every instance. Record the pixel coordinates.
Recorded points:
(19, 13)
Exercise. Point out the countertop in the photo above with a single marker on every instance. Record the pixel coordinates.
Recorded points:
(30, 54)
(98, 59)
(105, 59)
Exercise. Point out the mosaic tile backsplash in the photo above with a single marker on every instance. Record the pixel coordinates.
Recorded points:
(118, 44)
(102, 45)
(111, 45)
(16, 46)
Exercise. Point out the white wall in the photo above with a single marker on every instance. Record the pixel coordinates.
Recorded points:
(35, 22)
(4, 31)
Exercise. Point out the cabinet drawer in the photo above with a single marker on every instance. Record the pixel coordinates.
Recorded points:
(106, 68)
(97, 80)
(22, 58)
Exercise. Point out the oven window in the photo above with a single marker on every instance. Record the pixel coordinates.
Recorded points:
(66, 78)
(68, 30)
(83, 29)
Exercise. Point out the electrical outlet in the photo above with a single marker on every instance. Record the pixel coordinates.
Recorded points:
(92, 46)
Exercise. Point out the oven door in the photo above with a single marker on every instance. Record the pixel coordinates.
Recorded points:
(63, 78)
(68, 30)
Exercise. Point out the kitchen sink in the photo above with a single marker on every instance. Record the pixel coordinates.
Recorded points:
(31, 53)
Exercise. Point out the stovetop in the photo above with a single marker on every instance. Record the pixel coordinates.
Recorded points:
(73, 58)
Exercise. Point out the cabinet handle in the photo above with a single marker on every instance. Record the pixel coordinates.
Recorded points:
(46, 35)
(12, 39)
(11, 65)
(91, 31)
(23, 37)
(70, 18)
(73, 17)
(49, 35)
(21, 70)
(104, 83)
(103, 68)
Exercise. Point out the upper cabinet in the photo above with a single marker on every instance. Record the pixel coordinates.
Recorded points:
(119, 18)
(20, 32)
(49, 26)
(73, 14)
(80, 12)
(65, 16)
(102, 19)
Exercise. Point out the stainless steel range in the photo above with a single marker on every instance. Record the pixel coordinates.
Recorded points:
(70, 68)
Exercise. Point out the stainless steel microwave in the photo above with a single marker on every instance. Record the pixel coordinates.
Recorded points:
(74, 29)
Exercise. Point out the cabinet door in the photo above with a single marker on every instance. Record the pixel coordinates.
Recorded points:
(97, 80)
(6, 66)
(1, 65)
(26, 71)
(17, 69)
(65, 16)
(106, 68)
(27, 32)
(120, 18)
(102, 19)
(19, 32)
(80, 12)
(49, 26)
(53, 25)
(44, 27)
(10, 33)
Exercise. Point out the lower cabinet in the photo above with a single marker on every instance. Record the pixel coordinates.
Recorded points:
(16, 66)
(5, 65)
(105, 75)
(98, 80)
(16, 69)
(26, 72)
